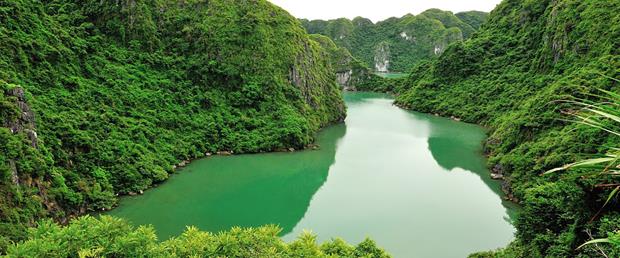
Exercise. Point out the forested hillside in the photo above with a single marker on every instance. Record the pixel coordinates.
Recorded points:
(100, 99)
(103, 98)
(475, 19)
(511, 77)
(397, 44)
(351, 73)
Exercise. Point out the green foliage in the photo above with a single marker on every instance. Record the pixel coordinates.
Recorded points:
(604, 116)
(410, 39)
(450, 20)
(547, 210)
(359, 76)
(475, 19)
(513, 250)
(112, 237)
(376, 83)
(509, 77)
(122, 92)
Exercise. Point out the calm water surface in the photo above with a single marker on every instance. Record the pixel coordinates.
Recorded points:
(393, 75)
(415, 183)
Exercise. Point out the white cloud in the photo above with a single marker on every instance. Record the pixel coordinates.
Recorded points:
(376, 10)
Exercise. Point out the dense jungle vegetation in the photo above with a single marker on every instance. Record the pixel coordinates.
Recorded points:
(519, 76)
(405, 41)
(103, 98)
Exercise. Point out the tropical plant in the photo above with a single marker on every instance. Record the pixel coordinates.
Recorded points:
(604, 115)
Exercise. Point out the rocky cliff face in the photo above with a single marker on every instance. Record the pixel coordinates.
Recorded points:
(23, 123)
(382, 57)
(344, 78)
(350, 73)
(24, 193)
(312, 73)
(448, 37)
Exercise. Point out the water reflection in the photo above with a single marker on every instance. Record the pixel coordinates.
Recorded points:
(389, 183)
(410, 181)
(249, 190)
(455, 146)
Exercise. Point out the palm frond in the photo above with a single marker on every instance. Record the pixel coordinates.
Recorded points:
(595, 241)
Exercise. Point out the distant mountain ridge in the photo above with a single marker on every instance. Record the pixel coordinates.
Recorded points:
(398, 44)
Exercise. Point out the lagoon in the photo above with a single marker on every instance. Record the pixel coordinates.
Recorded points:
(415, 183)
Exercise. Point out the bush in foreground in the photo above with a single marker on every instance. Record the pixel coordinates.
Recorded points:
(112, 237)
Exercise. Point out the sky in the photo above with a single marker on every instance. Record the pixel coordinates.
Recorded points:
(376, 10)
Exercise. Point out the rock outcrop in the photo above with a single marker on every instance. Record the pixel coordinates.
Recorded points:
(382, 57)
(24, 122)
(350, 73)
(344, 78)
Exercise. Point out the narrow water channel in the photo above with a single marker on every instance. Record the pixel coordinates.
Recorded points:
(415, 183)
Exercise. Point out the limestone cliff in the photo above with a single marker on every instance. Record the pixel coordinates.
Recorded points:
(382, 57)
(350, 73)
(398, 44)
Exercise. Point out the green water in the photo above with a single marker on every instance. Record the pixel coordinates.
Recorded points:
(415, 183)
(393, 75)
